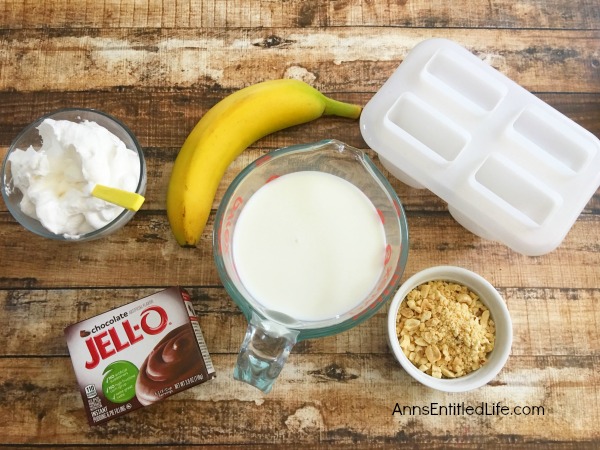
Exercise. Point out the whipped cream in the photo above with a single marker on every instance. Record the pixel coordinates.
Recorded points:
(57, 180)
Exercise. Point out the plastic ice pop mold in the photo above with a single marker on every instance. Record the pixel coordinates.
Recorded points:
(511, 168)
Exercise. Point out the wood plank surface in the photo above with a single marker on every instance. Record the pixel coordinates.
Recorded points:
(579, 14)
(145, 254)
(333, 59)
(36, 329)
(312, 398)
(159, 66)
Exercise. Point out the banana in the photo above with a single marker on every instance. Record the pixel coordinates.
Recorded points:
(225, 131)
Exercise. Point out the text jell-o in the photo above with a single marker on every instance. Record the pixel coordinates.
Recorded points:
(138, 354)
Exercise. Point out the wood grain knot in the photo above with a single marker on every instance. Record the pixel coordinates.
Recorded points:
(333, 372)
(274, 41)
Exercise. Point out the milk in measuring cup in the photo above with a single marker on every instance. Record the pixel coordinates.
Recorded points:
(309, 245)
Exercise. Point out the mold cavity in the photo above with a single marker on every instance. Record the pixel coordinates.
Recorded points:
(428, 126)
(466, 79)
(555, 138)
(516, 188)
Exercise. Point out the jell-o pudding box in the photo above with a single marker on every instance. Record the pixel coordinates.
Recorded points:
(138, 354)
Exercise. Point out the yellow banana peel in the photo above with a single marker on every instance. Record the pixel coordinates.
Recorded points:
(225, 131)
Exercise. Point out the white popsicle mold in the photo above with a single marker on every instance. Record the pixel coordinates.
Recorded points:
(511, 168)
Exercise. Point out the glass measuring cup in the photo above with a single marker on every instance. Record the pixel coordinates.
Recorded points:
(271, 335)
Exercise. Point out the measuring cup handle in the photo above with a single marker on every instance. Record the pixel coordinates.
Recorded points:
(264, 351)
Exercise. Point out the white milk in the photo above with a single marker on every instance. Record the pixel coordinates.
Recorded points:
(310, 245)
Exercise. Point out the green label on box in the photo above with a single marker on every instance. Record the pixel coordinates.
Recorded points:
(118, 384)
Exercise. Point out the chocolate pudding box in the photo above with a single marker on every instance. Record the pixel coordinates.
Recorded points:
(138, 354)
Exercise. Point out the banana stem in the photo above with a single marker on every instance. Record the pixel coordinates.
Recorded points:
(337, 108)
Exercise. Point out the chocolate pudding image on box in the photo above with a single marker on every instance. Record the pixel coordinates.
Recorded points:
(169, 367)
(137, 354)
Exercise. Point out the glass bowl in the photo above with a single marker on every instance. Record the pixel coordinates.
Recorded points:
(31, 137)
(335, 158)
(498, 313)
(272, 330)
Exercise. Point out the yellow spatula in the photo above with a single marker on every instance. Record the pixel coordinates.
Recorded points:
(125, 199)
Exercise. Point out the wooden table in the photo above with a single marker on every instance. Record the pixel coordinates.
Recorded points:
(159, 66)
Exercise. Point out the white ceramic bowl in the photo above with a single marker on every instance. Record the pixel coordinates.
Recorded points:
(498, 311)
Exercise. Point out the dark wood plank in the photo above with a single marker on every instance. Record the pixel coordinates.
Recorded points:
(334, 59)
(579, 14)
(161, 118)
(143, 253)
(34, 321)
(318, 400)
(161, 126)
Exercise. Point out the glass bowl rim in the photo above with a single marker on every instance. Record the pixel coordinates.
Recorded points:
(309, 333)
(123, 215)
